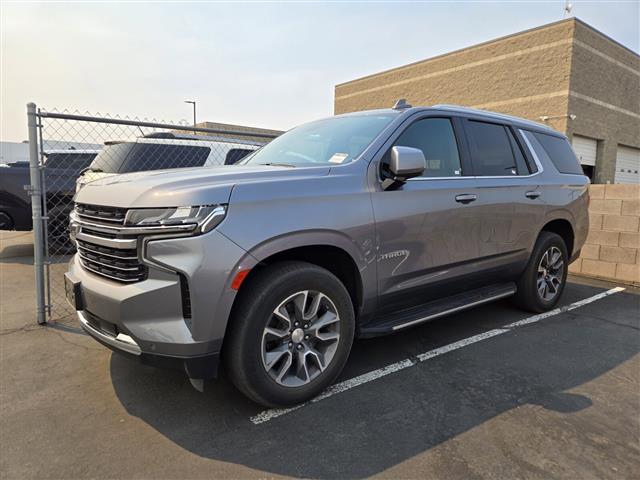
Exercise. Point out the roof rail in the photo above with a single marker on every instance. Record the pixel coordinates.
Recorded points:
(488, 113)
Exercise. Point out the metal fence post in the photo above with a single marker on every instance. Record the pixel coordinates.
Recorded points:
(36, 211)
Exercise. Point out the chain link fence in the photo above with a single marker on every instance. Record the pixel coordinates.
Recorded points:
(69, 150)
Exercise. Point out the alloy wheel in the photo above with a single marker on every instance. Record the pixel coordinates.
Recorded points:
(550, 274)
(300, 338)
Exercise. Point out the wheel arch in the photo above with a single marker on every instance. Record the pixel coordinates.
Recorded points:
(563, 228)
(333, 251)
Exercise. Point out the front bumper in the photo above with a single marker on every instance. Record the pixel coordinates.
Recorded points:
(200, 367)
(146, 319)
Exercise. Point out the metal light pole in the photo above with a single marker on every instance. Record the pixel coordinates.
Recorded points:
(193, 102)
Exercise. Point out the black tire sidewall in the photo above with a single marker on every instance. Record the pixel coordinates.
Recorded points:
(545, 242)
(264, 296)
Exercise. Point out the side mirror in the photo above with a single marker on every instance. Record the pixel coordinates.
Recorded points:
(405, 163)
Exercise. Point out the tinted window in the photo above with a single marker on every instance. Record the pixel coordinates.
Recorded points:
(69, 161)
(560, 152)
(153, 156)
(136, 157)
(492, 154)
(521, 162)
(235, 155)
(110, 158)
(436, 139)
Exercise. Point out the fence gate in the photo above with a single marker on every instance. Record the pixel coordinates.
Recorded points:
(68, 150)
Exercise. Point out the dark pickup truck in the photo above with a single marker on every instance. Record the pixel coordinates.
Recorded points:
(62, 168)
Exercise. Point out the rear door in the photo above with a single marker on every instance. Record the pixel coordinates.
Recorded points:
(509, 205)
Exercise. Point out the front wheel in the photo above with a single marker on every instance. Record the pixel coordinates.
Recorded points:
(291, 334)
(543, 281)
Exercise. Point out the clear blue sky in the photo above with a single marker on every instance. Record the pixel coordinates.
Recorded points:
(264, 64)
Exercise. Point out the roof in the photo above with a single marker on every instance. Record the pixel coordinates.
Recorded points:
(71, 151)
(202, 138)
(522, 122)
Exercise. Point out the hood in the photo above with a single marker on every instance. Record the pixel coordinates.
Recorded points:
(185, 186)
(91, 176)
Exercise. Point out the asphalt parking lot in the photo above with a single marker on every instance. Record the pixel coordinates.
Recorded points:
(555, 398)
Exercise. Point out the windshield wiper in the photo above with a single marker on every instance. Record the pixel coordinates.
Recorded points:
(278, 165)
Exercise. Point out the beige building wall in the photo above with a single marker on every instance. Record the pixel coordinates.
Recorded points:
(526, 74)
(604, 96)
(553, 71)
(612, 249)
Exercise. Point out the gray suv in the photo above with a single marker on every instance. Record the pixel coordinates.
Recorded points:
(356, 225)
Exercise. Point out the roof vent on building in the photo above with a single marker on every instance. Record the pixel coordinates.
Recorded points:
(401, 104)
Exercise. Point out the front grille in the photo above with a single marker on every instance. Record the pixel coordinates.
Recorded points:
(96, 233)
(99, 214)
(114, 263)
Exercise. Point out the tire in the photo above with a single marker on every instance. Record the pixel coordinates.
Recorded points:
(6, 222)
(249, 351)
(541, 273)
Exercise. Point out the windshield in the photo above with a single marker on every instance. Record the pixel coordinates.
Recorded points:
(325, 142)
(135, 157)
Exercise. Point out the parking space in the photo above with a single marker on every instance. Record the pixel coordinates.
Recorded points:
(555, 398)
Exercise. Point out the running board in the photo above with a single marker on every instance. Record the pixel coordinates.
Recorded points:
(438, 308)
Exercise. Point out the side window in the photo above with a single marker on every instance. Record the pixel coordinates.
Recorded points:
(235, 155)
(492, 150)
(560, 153)
(521, 162)
(436, 138)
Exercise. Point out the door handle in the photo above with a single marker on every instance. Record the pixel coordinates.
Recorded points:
(533, 194)
(466, 198)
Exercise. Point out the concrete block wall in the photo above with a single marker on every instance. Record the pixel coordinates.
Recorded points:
(612, 249)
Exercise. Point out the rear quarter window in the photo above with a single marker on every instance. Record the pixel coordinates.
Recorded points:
(560, 153)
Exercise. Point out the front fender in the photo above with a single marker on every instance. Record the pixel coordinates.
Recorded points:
(361, 256)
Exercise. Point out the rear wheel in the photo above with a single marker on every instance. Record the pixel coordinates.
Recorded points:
(291, 334)
(6, 223)
(543, 281)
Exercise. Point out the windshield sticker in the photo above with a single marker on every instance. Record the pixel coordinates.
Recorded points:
(338, 157)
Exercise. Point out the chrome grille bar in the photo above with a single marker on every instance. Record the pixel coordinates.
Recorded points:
(84, 247)
(105, 246)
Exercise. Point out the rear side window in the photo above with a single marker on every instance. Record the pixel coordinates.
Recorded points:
(235, 155)
(494, 150)
(560, 153)
(154, 156)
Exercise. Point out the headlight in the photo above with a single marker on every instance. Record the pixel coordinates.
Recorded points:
(204, 218)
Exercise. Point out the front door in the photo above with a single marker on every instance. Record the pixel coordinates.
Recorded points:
(426, 233)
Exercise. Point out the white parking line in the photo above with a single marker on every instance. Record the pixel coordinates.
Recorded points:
(267, 415)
